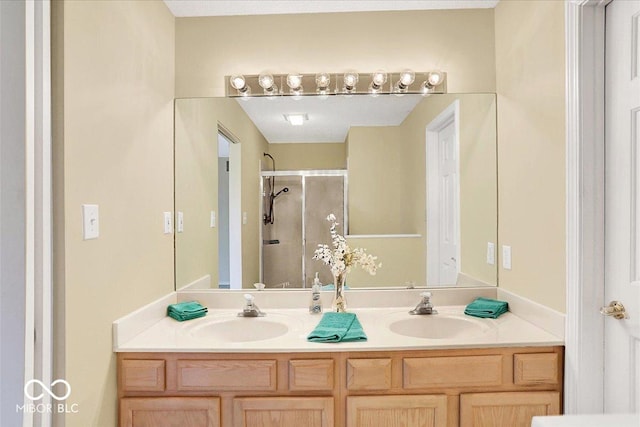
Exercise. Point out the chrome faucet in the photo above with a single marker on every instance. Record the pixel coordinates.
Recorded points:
(424, 306)
(250, 308)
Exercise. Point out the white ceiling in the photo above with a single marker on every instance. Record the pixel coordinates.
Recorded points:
(185, 8)
(329, 119)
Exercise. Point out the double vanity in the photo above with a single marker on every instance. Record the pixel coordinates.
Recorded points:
(440, 370)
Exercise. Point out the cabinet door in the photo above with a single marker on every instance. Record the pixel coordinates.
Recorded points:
(512, 409)
(412, 410)
(170, 412)
(283, 412)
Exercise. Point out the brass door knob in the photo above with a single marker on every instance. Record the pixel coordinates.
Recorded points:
(614, 309)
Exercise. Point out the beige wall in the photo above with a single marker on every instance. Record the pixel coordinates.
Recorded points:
(387, 184)
(531, 130)
(114, 148)
(309, 156)
(460, 42)
(196, 163)
(196, 189)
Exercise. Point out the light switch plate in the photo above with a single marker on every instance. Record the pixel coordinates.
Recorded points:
(180, 222)
(491, 253)
(168, 226)
(212, 219)
(506, 257)
(90, 222)
(244, 218)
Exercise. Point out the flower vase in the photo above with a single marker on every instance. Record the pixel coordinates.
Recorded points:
(339, 300)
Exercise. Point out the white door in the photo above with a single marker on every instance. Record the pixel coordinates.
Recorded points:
(443, 200)
(622, 204)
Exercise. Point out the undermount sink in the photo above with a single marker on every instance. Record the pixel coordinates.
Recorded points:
(240, 329)
(437, 327)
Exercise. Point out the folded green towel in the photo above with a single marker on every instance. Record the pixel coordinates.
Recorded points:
(486, 307)
(338, 327)
(186, 310)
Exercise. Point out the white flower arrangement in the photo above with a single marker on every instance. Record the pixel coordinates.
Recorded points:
(341, 257)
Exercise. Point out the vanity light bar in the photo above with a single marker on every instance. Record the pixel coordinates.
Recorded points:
(326, 84)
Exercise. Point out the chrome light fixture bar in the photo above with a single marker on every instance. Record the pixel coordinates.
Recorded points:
(326, 84)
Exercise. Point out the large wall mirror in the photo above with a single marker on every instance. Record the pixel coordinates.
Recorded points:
(412, 179)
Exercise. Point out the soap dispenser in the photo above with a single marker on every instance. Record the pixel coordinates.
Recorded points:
(316, 303)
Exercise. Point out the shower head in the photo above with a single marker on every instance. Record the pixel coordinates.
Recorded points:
(284, 190)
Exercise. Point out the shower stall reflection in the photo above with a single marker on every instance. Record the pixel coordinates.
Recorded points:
(294, 212)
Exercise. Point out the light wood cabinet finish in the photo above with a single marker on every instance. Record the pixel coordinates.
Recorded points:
(170, 412)
(143, 375)
(511, 409)
(316, 374)
(472, 387)
(369, 374)
(536, 368)
(226, 375)
(283, 411)
(453, 371)
(413, 410)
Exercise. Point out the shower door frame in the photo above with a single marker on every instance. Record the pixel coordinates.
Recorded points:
(303, 174)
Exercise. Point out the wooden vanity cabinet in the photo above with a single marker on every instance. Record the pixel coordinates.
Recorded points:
(490, 387)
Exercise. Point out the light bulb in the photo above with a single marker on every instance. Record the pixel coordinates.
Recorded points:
(406, 78)
(434, 78)
(238, 82)
(378, 79)
(294, 81)
(323, 80)
(266, 81)
(350, 80)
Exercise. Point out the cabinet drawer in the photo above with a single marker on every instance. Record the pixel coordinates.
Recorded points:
(461, 371)
(170, 411)
(221, 375)
(283, 412)
(408, 410)
(311, 374)
(531, 369)
(369, 374)
(143, 375)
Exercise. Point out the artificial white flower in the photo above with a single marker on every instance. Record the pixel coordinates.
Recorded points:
(341, 257)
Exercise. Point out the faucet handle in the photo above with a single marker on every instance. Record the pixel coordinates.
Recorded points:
(426, 295)
(249, 298)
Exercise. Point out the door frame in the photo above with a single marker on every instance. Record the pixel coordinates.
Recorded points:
(450, 114)
(235, 206)
(584, 330)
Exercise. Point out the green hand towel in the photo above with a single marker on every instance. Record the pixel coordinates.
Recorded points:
(486, 308)
(186, 310)
(338, 327)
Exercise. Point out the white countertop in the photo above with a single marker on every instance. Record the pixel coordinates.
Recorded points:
(169, 335)
(591, 420)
